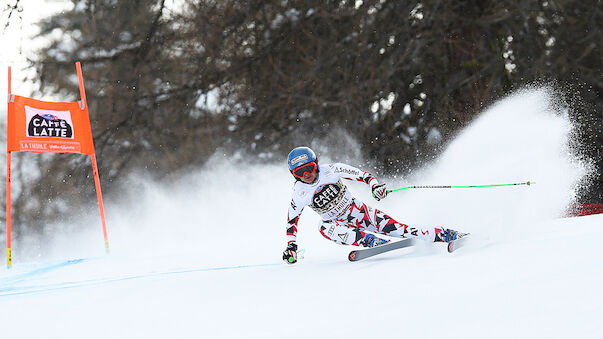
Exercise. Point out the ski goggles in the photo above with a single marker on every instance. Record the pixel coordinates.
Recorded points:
(301, 170)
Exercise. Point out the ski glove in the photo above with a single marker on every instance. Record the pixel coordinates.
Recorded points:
(379, 192)
(290, 253)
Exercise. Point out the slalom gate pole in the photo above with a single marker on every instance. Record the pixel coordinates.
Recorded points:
(8, 217)
(99, 194)
(467, 186)
(8, 202)
(75, 114)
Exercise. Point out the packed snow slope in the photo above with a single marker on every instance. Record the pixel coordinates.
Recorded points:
(201, 259)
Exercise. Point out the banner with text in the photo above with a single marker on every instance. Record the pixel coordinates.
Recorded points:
(41, 126)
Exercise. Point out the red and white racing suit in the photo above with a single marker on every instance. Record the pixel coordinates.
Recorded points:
(345, 219)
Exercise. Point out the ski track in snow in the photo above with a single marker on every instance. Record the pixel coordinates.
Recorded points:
(202, 258)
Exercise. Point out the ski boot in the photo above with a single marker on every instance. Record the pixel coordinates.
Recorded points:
(448, 235)
(370, 240)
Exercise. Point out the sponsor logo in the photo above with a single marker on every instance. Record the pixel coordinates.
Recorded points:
(347, 171)
(324, 194)
(331, 200)
(343, 206)
(343, 236)
(331, 230)
(48, 124)
(299, 159)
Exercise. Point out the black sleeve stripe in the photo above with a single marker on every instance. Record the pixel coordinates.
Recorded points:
(368, 177)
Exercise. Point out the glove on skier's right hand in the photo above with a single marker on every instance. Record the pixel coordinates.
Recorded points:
(290, 253)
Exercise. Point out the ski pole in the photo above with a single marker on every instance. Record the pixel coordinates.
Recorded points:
(467, 186)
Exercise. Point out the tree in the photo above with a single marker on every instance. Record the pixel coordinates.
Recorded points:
(168, 87)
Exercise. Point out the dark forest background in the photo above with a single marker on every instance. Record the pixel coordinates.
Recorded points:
(169, 87)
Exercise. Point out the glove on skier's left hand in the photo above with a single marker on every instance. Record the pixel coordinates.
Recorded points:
(379, 192)
(290, 253)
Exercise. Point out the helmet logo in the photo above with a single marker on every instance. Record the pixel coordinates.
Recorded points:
(299, 159)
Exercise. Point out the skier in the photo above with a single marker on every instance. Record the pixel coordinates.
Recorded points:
(345, 219)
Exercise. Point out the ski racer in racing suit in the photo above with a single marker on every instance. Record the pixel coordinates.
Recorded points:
(345, 219)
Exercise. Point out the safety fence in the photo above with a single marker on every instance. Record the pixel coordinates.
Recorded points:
(585, 209)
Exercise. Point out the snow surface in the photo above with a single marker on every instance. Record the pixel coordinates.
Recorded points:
(201, 259)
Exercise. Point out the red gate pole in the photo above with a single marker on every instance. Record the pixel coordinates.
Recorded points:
(8, 201)
(8, 218)
(99, 194)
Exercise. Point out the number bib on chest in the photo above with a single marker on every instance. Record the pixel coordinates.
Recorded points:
(331, 200)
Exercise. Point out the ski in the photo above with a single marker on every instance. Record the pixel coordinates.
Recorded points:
(369, 252)
(458, 243)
